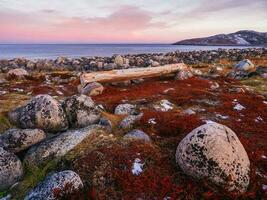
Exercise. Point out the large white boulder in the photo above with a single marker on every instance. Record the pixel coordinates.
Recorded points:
(43, 112)
(214, 152)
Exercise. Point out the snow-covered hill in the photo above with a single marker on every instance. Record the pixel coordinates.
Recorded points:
(240, 38)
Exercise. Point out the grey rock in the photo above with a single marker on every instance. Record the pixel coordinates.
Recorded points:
(43, 112)
(60, 145)
(137, 135)
(17, 73)
(81, 111)
(183, 75)
(64, 182)
(119, 60)
(11, 169)
(214, 152)
(244, 65)
(16, 140)
(92, 89)
(126, 109)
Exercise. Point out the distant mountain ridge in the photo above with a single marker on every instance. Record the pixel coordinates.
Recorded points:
(240, 38)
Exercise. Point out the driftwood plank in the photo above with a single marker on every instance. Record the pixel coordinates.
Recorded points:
(130, 74)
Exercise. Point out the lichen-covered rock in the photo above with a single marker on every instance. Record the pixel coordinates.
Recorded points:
(214, 152)
(137, 135)
(183, 74)
(126, 109)
(60, 145)
(244, 65)
(43, 112)
(11, 169)
(17, 73)
(128, 122)
(92, 89)
(81, 111)
(56, 186)
(119, 60)
(16, 140)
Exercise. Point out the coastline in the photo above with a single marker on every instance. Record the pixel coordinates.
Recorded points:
(98, 63)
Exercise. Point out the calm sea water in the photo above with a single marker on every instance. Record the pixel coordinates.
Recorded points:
(51, 51)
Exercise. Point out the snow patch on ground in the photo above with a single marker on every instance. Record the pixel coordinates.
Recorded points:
(209, 121)
(164, 106)
(137, 168)
(238, 106)
(264, 187)
(258, 119)
(152, 121)
(222, 116)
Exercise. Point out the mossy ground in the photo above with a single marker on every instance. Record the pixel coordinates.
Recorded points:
(104, 162)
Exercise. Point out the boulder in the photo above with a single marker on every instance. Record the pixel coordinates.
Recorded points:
(137, 135)
(119, 60)
(11, 169)
(125, 109)
(81, 111)
(56, 186)
(92, 89)
(60, 145)
(244, 65)
(43, 112)
(17, 73)
(214, 152)
(16, 140)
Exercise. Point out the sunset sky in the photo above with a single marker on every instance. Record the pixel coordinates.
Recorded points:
(125, 21)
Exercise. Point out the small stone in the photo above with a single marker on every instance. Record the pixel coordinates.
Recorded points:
(16, 140)
(56, 186)
(11, 169)
(17, 73)
(183, 75)
(92, 89)
(244, 65)
(137, 135)
(119, 60)
(126, 109)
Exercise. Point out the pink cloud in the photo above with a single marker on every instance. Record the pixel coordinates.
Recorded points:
(124, 25)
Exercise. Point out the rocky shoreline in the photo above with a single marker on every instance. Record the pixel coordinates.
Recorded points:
(128, 61)
(198, 133)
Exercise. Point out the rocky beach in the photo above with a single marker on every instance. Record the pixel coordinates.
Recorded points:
(197, 133)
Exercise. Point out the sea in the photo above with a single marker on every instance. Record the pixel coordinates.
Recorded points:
(52, 51)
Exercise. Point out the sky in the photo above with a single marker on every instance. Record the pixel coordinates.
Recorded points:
(126, 21)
